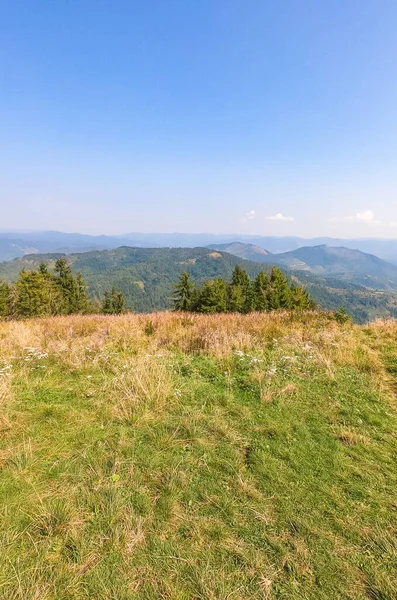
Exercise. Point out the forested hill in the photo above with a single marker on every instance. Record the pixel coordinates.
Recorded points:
(147, 276)
(352, 266)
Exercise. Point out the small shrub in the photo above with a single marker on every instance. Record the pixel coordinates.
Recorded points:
(149, 328)
(341, 316)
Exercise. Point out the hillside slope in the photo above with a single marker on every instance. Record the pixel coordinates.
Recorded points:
(345, 263)
(178, 456)
(354, 266)
(147, 277)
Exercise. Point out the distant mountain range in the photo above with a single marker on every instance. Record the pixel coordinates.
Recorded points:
(343, 263)
(145, 266)
(17, 244)
(147, 275)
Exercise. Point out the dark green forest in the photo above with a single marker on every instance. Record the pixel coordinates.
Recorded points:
(147, 277)
(243, 295)
(41, 292)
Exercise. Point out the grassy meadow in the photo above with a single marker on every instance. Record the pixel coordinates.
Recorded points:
(177, 456)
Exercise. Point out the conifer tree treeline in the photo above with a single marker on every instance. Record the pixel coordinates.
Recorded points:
(114, 302)
(265, 293)
(42, 293)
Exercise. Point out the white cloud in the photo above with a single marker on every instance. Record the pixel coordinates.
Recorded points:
(367, 217)
(280, 217)
(250, 215)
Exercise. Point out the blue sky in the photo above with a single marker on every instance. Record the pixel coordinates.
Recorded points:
(248, 116)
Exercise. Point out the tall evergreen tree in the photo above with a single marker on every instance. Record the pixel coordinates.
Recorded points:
(300, 298)
(261, 292)
(5, 299)
(183, 293)
(65, 282)
(114, 302)
(80, 300)
(213, 297)
(73, 289)
(240, 291)
(280, 294)
(36, 295)
(236, 299)
(240, 277)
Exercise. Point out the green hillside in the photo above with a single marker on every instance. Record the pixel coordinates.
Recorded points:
(346, 264)
(363, 304)
(147, 276)
(198, 457)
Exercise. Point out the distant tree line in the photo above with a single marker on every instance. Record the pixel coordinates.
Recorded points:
(41, 293)
(242, 295)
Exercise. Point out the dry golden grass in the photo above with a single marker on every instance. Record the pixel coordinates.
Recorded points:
(85, 341)
(5, 399)
(351, 437)
(142, 381)
(218, 335)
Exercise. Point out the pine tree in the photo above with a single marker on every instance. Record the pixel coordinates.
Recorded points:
(250, 298)
(36, 295)
(237, 299)
(65, 281)
(240, 292)
(107, 303)
(213, 297)
(73, 289)
(43, 270)
(114, 302)
(80, 300)
(183, 293)
(261, 292)
(300, 298)
(240, 277)
(195, 299)
(5, 299)
(120, 302)
(242, 295)
(280, 294)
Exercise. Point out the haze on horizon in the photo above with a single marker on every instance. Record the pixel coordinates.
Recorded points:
(238, 116)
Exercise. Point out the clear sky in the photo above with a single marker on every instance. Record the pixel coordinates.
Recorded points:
(251, 116)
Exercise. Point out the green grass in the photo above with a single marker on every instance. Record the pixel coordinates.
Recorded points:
(264, 473)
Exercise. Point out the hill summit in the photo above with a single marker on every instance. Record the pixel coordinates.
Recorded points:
(243, 250)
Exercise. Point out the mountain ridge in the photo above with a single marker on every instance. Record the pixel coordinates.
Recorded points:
(345, 263)
(14, 244)
(147, 277)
